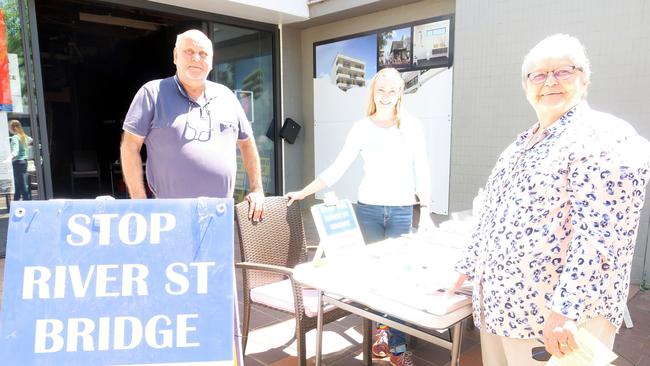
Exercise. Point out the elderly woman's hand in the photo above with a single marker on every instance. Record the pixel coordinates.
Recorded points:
(559, 334)
(459, 282)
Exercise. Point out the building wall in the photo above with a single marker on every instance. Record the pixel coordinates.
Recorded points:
(489, 109)
(292, 107)
(403, 14)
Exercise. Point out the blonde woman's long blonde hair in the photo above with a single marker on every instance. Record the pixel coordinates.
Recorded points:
(18, 130)
(388, 72)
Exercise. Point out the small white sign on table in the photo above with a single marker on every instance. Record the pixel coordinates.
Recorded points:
(338, 229)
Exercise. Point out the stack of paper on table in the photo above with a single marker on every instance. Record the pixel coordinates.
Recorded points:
(420, 271)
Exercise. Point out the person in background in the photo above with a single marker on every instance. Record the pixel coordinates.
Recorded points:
(395, 170)
(553, 247)
(19, 144)
(191, 127)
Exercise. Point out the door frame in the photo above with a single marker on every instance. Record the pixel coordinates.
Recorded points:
(36, 98)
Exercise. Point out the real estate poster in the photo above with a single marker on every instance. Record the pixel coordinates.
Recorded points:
(431, 44)
(395, 48)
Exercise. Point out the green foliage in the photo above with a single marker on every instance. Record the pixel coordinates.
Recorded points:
(12, 23)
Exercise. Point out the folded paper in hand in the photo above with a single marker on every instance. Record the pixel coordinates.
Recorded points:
(590, 352)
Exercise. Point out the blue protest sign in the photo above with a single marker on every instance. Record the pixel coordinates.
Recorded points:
(119, 282)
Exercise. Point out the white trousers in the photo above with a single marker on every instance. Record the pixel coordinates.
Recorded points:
(503, 351)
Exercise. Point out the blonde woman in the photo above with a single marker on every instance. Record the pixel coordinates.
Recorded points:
(395, 169)
(19, 144)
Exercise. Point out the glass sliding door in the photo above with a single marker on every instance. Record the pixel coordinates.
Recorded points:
(243, 61)
(24, 79)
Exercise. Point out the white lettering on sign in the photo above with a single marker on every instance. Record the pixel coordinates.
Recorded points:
(132, 280)
(132, 228)
(337, 216)
(340, 225)
(82, 231)
(175, 273)
(119, 333)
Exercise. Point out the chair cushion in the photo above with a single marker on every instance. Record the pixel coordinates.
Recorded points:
(279, 295)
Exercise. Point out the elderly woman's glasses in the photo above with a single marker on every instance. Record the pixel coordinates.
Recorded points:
(562, 73)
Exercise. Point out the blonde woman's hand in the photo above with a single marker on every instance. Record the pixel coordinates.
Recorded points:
(294, 196)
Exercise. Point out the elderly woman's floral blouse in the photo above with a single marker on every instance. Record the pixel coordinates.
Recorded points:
(558, 225)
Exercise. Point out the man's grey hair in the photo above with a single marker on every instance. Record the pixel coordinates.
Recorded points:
(558, 46)
(196, 35)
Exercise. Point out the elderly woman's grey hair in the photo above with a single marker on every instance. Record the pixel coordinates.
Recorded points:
(558, 46)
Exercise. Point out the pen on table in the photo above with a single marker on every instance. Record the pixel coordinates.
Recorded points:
(457, 292)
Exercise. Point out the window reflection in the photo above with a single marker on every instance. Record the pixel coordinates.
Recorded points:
(16, 59)
(244, 63)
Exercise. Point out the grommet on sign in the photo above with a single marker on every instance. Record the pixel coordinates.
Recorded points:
(221, 209)
(20, 212)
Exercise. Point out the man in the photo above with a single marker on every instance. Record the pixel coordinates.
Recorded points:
(191, 126)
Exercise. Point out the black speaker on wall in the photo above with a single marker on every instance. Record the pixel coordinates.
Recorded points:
(289, 130)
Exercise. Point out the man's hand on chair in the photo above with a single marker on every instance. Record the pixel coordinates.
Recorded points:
(256, 205)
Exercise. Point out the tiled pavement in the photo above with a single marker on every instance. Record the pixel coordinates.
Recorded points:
(271, 340)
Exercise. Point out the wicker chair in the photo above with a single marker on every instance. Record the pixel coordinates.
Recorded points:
(269, 250)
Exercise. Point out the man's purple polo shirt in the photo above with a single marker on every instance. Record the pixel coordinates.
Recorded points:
(191, 148)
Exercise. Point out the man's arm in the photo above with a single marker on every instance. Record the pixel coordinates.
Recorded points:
(132, 164)
(251, 160)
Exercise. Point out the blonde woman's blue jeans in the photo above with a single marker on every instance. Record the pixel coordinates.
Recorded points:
(377, 223)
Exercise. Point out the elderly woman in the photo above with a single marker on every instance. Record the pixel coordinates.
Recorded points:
(553, 247)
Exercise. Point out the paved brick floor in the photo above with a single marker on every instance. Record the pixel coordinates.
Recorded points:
(271, 341)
